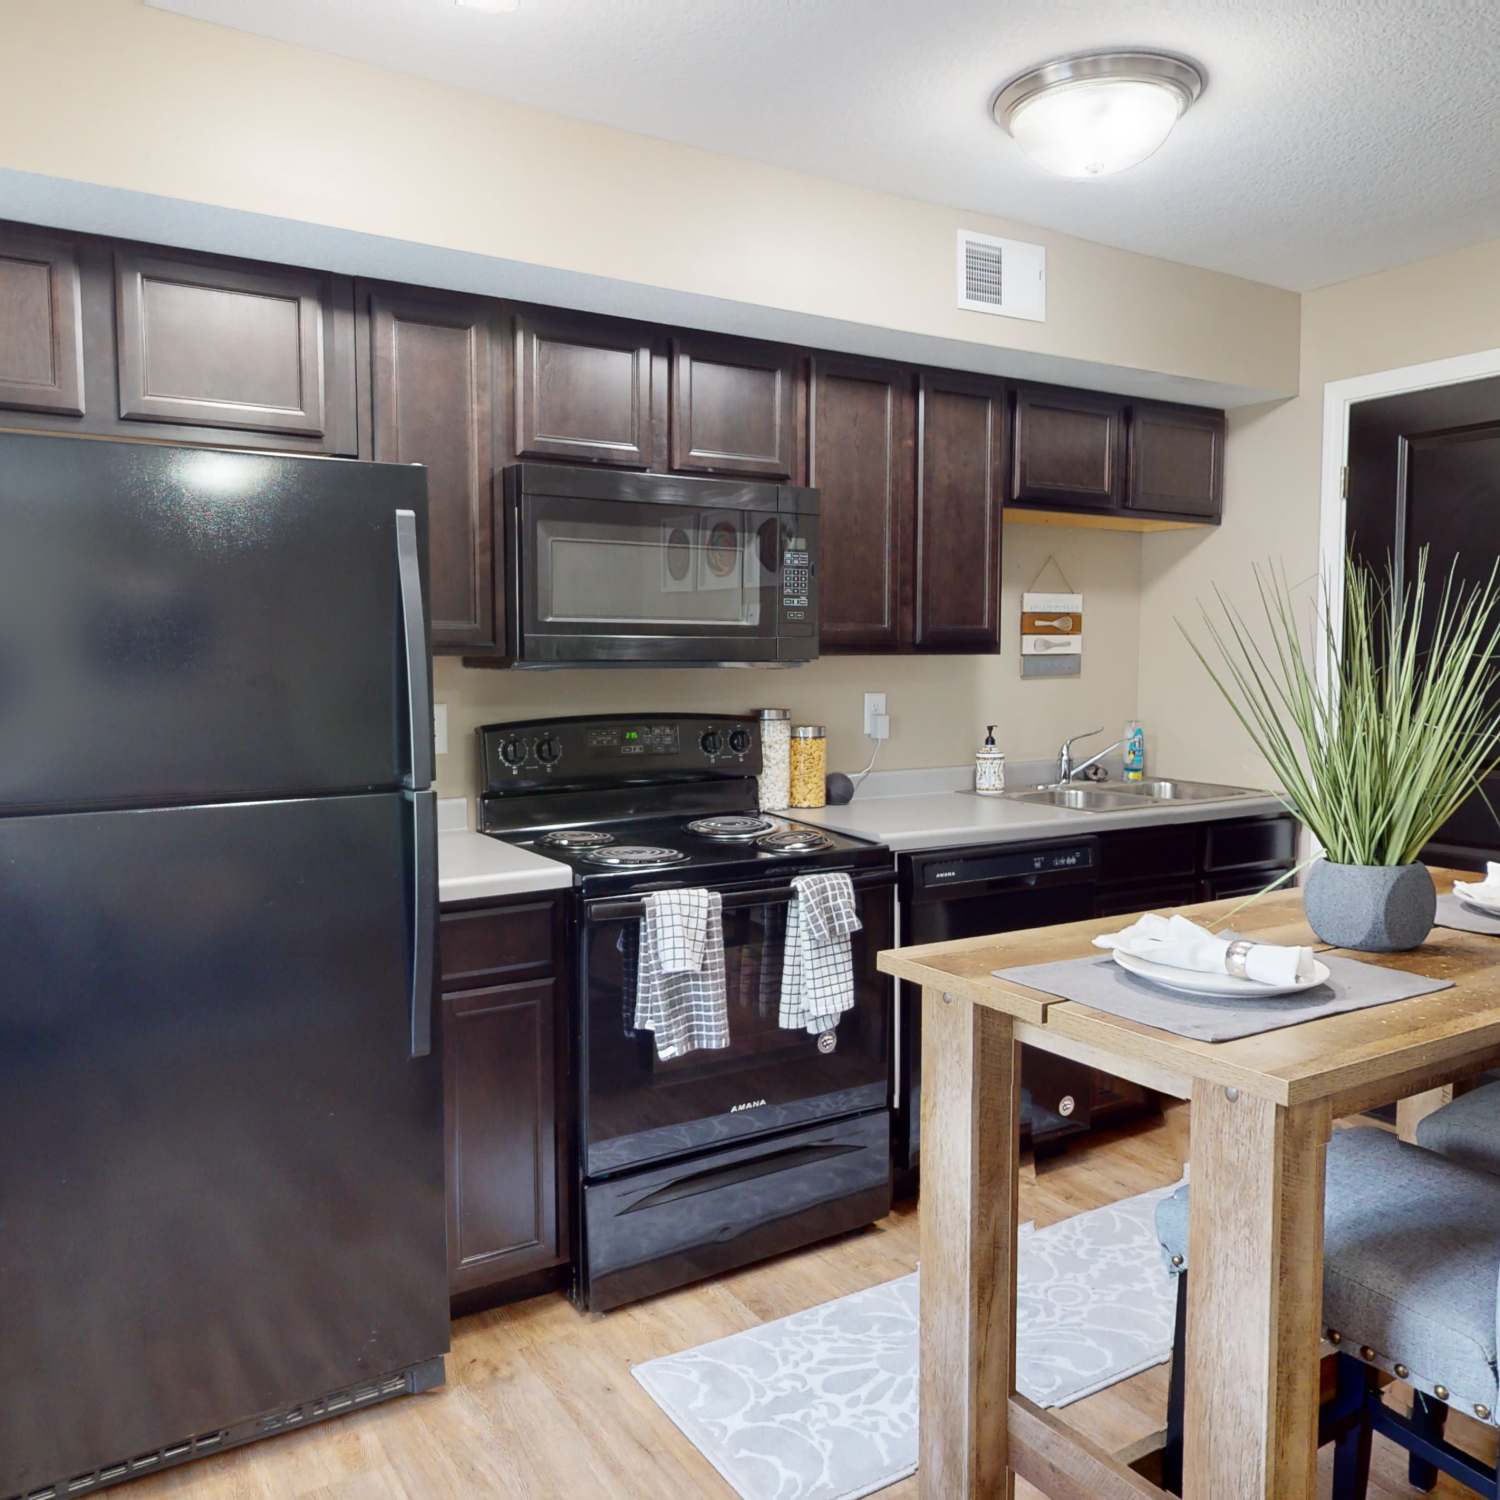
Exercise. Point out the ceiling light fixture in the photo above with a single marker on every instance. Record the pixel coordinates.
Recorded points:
(1099, 112)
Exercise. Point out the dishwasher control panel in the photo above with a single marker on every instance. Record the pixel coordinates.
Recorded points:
(1022, 866)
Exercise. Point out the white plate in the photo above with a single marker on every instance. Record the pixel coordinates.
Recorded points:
(1224, 986)
(1475, 904)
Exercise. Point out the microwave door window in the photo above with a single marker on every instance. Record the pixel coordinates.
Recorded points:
(632, 566)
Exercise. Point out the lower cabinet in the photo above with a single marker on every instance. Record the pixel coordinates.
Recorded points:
(504, 1039)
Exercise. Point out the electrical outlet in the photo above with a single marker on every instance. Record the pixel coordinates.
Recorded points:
(875, 711)
(440, 728)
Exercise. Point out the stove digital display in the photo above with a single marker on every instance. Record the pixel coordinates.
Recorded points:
(615, 740)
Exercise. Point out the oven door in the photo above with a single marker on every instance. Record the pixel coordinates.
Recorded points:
(637, 580)
(636, 1108)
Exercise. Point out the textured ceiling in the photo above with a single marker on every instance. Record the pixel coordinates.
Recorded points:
(1336, 137)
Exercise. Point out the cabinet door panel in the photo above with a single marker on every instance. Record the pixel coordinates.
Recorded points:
(261, 350)
(1069, 449)
(583, 391)
(732, 408)
(961, 442)
(432, 387)
(1176, 460)
(860, 442)
(41, 324)
(499, 1078)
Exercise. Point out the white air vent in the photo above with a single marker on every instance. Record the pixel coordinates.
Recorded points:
(1008, 277)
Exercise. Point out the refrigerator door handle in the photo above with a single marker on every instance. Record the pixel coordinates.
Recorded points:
(424, 918)
(418, 681)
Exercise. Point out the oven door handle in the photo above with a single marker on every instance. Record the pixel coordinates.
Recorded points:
(606, 909)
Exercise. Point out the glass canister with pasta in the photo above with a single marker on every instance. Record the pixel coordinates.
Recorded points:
(809, 765)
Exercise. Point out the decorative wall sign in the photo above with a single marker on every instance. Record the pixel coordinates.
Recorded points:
(1051, 628)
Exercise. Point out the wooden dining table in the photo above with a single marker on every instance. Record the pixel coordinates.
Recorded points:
(1262, 1108)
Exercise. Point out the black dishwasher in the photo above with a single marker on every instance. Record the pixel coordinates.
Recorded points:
(969, 892)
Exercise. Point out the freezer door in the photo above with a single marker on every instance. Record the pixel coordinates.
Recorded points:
(183, 625)
(221, 1172)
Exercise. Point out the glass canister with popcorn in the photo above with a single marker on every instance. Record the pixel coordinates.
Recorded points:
(775, 780)
(809, 765)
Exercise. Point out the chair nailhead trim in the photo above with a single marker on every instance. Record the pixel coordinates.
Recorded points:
(1482, 1412)
(1366, 1353)
(1441, 1392)
(1334, 1336)
(1176, 1260)
(1402, 1372)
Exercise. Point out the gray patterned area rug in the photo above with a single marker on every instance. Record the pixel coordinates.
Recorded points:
(823, 1405)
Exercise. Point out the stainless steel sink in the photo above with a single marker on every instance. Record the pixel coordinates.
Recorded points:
(1183, 791)
(1078, 798)
(1120, 796)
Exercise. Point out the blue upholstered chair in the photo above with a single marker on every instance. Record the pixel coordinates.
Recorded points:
(1468, 1130)
(1411, 1287)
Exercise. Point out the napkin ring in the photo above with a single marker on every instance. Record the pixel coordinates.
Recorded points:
(1235, 956)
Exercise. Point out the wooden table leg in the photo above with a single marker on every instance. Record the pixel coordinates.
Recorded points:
(1411, 1111)
(971, 1116)
(1255, 1295)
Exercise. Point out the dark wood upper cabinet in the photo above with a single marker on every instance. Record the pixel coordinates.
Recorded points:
(41, 324)
(733, 407)
(264, 355)
(432, 389)
(1069, 449)
(583, 390)
(861, 435)
(961, 436)
(1176, 460)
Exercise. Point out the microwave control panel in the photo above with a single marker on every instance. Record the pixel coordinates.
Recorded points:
(796, 580)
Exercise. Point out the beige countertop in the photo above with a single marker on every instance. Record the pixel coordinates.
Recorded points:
(474, 867)
(930, 814)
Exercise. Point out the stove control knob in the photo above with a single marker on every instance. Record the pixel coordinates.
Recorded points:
(709, 742)
(548, 750)
(739, 741)
(512, 752)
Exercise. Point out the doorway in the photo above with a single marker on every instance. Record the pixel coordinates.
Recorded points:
(1424, 472)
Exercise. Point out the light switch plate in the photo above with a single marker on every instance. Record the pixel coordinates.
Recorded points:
(440, 728)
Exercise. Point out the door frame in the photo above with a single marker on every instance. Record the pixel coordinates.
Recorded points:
(1338, 397)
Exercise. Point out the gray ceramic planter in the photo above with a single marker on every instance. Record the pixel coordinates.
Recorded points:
(1377, 908)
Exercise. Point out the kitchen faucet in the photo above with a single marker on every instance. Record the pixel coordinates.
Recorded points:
(1066, 770)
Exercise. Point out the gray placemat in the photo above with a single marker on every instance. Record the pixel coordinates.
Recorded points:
(1100, 982)
(1451, 912)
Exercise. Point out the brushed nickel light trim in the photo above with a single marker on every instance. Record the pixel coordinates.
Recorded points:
(1184, 78)
(1057, 143)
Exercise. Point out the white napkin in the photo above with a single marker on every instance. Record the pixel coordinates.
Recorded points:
(1484, 892)
(1185, 945)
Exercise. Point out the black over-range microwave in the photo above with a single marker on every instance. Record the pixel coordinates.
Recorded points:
(656, 570)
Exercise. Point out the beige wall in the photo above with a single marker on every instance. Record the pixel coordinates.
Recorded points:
(939, 705)
(113, 93)
(1434, 309)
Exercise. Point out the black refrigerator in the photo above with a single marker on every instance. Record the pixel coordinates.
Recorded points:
(221, 1160)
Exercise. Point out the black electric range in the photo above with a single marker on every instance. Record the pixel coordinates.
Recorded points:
(696, 1164)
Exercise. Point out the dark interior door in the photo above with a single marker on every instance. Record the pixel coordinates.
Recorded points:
(221, 1170)
(1424, 471)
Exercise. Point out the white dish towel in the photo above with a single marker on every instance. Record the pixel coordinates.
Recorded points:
(817, 972)
(1484, 892)
(1185, 945)
(680, 990)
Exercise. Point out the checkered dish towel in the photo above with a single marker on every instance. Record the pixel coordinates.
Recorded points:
(680, 990)
(817, 974)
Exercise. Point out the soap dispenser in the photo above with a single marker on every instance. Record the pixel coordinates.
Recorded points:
(989, 766)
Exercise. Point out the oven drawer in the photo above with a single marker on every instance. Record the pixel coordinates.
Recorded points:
(670, 1225)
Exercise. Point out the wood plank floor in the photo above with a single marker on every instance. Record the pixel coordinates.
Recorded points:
(540, 1403)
